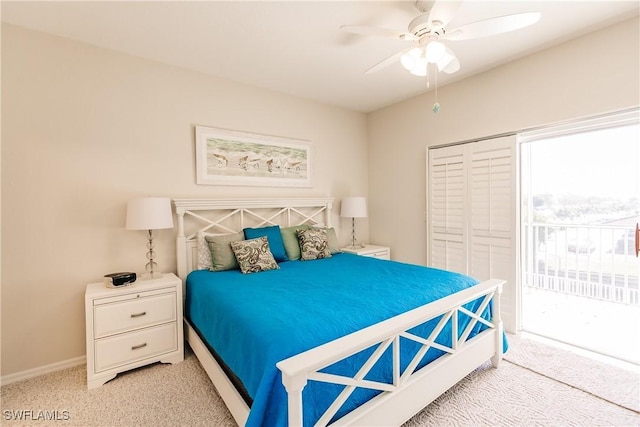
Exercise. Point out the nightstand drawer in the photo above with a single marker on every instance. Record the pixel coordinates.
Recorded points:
(126, 348)
(372, 251)
(382, 254)
(132, 326)
(110, 319)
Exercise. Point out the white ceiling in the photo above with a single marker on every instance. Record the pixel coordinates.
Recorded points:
(296, 47)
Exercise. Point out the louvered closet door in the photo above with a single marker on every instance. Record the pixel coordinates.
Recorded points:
(447, 208)
(473, 212)
(493, 234)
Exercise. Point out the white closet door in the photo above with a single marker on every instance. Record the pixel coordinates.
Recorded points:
(493, 224)
(447, 208)
(473, 214)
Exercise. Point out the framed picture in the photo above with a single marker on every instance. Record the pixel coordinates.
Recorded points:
(226, 157)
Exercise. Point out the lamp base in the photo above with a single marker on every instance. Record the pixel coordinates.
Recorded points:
(151, 266)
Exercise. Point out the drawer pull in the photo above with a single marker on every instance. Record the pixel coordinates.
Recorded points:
(138, 314)
(136, 347)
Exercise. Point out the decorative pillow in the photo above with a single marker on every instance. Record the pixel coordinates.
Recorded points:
(222, 257)
(275, 240)
(332, 240)
(254, 255)
(313, 244)
(204, 254)
(290, 240)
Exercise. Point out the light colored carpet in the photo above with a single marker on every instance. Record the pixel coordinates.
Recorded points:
(156, 395)
(617, 385)
(182, 395)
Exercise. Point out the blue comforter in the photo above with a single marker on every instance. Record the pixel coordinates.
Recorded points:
(255, 320)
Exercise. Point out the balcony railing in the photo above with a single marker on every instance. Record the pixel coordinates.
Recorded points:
(593, 261)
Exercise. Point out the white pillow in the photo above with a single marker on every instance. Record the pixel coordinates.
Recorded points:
(204, 254)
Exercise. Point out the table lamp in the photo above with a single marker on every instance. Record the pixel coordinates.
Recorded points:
(354, 207)
(150, 213)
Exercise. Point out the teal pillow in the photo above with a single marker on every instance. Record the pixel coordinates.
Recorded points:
(291, 242)
(273, 235)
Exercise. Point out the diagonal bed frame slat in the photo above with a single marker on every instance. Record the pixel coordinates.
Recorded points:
(299, 369)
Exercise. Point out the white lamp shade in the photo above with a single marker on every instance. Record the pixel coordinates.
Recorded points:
(354, 207)
(149, 213)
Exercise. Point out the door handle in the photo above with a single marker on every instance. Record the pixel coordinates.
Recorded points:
(637, 239)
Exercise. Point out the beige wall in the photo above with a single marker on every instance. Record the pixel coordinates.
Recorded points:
(594, 74)
(84, 130)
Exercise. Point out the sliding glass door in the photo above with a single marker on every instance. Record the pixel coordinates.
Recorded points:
(580, 209)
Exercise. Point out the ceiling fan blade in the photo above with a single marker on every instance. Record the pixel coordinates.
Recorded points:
(449, 63)
(444, 11)
(378, 32)
(387, 61)
(492, 26)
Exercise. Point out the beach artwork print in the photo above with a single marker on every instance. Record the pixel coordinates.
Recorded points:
(226, 157)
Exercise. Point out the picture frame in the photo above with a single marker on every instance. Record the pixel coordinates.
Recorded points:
(229, 157)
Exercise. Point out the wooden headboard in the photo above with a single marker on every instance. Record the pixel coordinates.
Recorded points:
(222, 216)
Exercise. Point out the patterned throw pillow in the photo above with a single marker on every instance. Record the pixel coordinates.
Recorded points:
(313, 244)
(332, 239)
(254, 255)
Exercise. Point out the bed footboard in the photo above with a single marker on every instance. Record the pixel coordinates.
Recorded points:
(412, 389)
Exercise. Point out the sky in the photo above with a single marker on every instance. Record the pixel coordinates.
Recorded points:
(601, 163)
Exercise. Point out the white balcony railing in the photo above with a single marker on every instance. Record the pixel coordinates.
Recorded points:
(592, 261)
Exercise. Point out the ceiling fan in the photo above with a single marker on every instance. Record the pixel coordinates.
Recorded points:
(429, 28)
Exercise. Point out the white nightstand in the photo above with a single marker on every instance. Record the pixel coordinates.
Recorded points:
(382, 252)
(132, 326)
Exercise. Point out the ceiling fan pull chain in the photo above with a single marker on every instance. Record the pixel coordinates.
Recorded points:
(428, 78)
(436, 106)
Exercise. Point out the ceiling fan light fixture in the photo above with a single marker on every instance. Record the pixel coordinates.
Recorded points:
(407, 61)
(410, 59)
(435, 52)
(451, 66)
(449, 63)
(431, 28)
(420, 67)
(444, 61)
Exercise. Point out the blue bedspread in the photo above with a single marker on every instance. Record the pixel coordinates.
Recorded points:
(255, 320)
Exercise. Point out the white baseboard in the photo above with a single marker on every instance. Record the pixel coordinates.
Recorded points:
(42, 370)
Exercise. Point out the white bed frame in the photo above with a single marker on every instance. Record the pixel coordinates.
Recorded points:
(410, 390)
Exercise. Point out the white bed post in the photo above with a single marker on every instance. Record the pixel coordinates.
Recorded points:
(497, 320)
(328, 214)
(294, 386)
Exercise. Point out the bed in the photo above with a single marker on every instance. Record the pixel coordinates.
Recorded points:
(309, 343)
